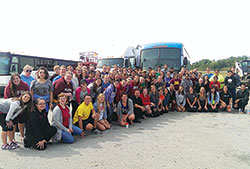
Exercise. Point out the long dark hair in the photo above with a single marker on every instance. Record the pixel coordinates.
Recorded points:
(215, 92)
(95, 87)
(181, 92)
(12, 85)
(45, 71)
(29, 103)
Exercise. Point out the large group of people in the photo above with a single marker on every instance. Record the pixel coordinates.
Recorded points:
(85, 99)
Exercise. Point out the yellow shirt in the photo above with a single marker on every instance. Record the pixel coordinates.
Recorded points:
(84, 111)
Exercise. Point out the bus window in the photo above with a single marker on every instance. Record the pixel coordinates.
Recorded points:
(150, 57)
(4, 65)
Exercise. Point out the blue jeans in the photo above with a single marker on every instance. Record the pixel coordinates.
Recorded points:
(68, 138)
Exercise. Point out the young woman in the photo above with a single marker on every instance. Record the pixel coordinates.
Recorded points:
(121, 88)
(146, 101)
(38, 130)
(202, 100)
(81, 91)
(125, 110)
(91, 78)
(176, 82)
(77, 77)
(191, 105)
(15, 87)
(166, 100)
(215, 83)
(62, 120)
(95, 89)
(154, 98)
(213, 100)
(206, 83)
(180, 99)
(100, 107)
(199, 85)
(9, 111)
(110, 94)
(42, 87)
(225, 99)
(161, 106)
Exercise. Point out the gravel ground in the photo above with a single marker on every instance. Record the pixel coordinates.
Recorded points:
(173, 140)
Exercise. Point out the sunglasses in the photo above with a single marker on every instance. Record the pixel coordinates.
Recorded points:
(28, 70)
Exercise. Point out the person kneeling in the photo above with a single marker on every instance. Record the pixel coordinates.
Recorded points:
(38, 130)
(125, 110)
(85, 117)
(100, 107)
(213, 100)
(225, 99)
(191, 105)
(62, 120)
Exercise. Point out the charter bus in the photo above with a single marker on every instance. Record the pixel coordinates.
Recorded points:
(12, 63)
(157, 54)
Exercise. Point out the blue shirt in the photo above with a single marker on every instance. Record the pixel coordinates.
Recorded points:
(56, 78)
(28, 80)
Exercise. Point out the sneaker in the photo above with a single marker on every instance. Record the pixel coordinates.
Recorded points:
(7, 147)
(137, 121)
(14, 144)
(96, 131)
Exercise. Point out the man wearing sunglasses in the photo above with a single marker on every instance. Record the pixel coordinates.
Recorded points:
(26, 75)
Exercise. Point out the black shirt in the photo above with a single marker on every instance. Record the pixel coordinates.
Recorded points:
(225, 96)
(136, 101)
(191, 97)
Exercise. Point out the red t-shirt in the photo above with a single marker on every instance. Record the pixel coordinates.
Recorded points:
(65, 115)
(145, 100)
(215, 84)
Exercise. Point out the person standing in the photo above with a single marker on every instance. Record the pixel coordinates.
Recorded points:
(42, 87)
(230, 81)
(26, 76)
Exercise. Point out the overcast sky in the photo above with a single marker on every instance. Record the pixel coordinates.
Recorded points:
(213, 29)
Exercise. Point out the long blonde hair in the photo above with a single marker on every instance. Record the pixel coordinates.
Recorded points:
(202, 94)
(99, 104)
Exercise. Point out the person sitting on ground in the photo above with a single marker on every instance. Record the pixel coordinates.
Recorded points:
(139, 109)
(241, 99)
(166, 100)
(9, 111)
(172, 99)
(62, 120)
(225, 99)
(38, 130)
(161, 107)
(125, 110)
(100, 107)
(202, 100)
(181, 99)
(213, 100)
(154, 98)
(191, 105)
(85, 116)
(26, 76)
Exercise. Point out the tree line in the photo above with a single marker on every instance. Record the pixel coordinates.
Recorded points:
(222, 64)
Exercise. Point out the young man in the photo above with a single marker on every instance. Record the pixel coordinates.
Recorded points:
(242, 97)
(139, 109)
(230, 81)
(85, 117)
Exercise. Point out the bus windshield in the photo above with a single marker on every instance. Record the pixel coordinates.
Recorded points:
(4, 65)
(110, 62)
(159, 56)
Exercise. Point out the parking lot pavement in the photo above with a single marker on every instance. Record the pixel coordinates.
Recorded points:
(173, 140)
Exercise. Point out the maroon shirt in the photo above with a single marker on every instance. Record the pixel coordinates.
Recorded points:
(176, 83)
(22, 87)
(60, 86)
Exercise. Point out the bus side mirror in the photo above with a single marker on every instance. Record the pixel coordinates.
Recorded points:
(185, 61)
